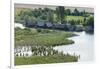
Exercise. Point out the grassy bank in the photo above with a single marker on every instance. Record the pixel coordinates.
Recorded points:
(42, 38)
(42, 42)
(44, 59)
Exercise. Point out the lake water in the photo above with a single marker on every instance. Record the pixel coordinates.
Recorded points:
(83, 46)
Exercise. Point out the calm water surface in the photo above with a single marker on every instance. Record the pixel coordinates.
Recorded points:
(83, 46)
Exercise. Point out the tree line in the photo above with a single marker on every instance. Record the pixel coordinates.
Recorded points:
(54, 16)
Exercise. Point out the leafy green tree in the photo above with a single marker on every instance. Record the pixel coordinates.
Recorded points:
(50, 16)
(90, 21)
(60, 10)
(36, 13)
(46, 9)
(76, 12)
(29, 19)
(43, 16)
(39, 11)
(68, 11)
(83, 13)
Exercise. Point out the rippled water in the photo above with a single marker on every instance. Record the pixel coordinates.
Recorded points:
(83, 46)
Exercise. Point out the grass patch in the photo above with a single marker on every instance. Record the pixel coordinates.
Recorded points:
(44, 59)
(34, 38)
(74, 18)
(42, 42)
